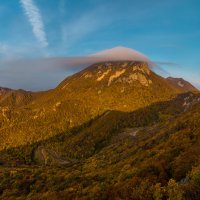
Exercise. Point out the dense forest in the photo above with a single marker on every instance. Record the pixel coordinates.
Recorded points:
(151, 153)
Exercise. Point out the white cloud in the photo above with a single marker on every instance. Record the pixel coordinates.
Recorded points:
(35, 19)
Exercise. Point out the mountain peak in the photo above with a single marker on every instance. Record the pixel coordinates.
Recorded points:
(123, 74)
(122, 53)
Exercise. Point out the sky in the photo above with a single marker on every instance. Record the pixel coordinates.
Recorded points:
(167, 31)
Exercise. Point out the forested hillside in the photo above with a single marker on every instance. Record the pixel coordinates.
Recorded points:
(151, 153)
(115, 130)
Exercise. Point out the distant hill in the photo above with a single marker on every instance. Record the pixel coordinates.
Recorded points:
(14, 98)
(181, 84)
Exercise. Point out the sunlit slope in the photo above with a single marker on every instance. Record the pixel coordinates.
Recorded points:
(123, 86)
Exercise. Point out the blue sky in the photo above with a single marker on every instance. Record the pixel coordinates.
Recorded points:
(165, 31)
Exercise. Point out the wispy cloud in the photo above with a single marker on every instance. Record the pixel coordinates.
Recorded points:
(35, 19)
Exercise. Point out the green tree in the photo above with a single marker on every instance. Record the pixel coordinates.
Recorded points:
(158, 192)
(173, 191)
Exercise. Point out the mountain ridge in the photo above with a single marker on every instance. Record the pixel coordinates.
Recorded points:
(182, 84)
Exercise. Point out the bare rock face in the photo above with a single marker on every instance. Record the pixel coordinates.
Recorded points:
(143, 69)
(140, 78)
(123, 72)
(140, 74)
(116, 75)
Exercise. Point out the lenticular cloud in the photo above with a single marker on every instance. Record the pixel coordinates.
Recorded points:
(46, 73)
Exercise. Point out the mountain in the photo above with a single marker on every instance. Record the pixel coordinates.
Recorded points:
(123, 86)
(181, 84)
(47, 72)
